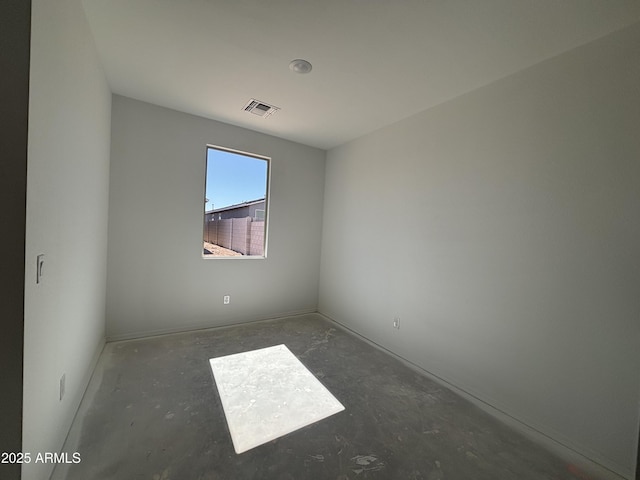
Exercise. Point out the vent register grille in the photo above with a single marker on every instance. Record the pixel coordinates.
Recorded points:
(260, 109)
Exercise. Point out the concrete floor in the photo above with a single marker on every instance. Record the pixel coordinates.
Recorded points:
(152, 412)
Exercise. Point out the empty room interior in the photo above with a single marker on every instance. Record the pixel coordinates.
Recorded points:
(449, 239)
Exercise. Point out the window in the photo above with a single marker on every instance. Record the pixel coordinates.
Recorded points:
(235, 204)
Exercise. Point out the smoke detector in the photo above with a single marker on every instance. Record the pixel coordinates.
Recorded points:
(300, 65)
(260, 109)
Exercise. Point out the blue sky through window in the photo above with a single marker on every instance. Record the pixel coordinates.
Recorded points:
(233, 178)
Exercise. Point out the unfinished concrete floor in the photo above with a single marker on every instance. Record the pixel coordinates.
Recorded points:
(152, 412)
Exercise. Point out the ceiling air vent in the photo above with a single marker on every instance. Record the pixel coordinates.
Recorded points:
(260, 108)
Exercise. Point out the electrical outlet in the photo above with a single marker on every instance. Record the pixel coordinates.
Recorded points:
(226, 299)
(396, 323)
(62, 382)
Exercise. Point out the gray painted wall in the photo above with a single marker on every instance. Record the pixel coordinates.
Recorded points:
(15, 18)
(517, 263)
(160, 283)
(67, 201)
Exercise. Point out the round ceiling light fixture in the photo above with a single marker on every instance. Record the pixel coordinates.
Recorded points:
(300, 66)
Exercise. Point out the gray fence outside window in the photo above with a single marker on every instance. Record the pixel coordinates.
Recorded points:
(242, 235)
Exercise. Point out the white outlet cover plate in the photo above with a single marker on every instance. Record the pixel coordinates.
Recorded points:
(268, 393)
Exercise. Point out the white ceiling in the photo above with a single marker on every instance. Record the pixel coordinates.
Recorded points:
(374, 61)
